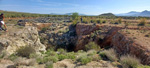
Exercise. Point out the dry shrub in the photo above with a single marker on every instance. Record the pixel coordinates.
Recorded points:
(129, 61)
(24, 62)
(142, 22)
(111, 54)
(25, 51)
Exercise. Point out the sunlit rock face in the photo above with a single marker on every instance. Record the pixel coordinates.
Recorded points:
(27, 36)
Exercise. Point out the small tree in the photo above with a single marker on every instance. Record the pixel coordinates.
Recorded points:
(75, 16)
(120, 20)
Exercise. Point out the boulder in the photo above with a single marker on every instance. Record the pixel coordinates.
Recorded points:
(22, 37)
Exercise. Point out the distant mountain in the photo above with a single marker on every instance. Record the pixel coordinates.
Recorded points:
(107, 14)
(134, 13)
(78, 13)
(68, 14)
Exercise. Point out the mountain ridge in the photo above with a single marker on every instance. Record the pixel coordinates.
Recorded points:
(145, 13)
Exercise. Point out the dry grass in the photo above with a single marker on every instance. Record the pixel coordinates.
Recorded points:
(111, 54)
(129, 61)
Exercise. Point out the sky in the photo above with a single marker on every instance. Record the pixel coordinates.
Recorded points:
(89, 7)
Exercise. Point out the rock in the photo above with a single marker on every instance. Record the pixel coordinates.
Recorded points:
(124, 45)
(6, 64)
(22, 37)
(108, 38)
(67, 63)
(83, 31)
(94, 64)
(42, 25)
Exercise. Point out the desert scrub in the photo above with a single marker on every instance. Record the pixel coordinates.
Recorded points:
(110, 54)
(84, 59)
(33, 55)
(2, 54)
(51, 53)
(43, 30)
(61, 51)
(103, 55)
(143, 66)
(92, 46)
(49, 65)
(43, 60)
(98, 21)
(119, 20)
(104, 21)
(95, 57)
(12, 57)
(25, 51)
(62, 57)
(129, 61)
(142, 22)
(69, 55)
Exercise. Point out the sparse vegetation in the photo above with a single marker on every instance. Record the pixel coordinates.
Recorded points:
(84, 59)
(143, 22)
(25, 51)
(61, 38)
(129, 61)
(111, 54)
(92, 45)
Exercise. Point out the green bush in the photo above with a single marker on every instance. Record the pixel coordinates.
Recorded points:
(85, 59)
(61, 51)
(25, 51)
(75, 16)
(62, 57)
(129, 61)
(71, 55)
(51, 53)
(93, 55)
(92, 46)
(74, 22)
(47, 59)
(111, 54)
(44, 29)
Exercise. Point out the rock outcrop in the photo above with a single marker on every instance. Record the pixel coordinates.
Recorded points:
(21, 37)
(125, 45)
(83, 33)
(120, 41)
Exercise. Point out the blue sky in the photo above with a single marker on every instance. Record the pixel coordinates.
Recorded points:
(90, 7)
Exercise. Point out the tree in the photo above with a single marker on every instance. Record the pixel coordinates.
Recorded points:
(75, 16)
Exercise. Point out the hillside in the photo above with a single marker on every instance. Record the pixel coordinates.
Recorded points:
(134, 13)
(12, 14)
(107, 14)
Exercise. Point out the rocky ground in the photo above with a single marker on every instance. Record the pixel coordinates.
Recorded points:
(45, 36)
